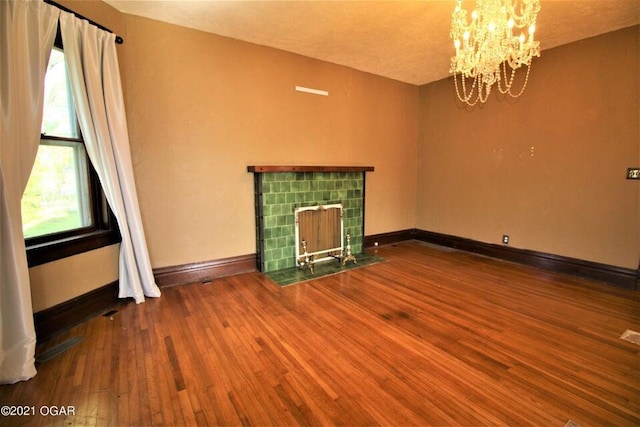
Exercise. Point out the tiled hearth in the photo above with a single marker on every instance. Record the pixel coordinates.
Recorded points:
(280, 189)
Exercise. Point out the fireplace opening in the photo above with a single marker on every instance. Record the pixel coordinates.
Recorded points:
(319, 233)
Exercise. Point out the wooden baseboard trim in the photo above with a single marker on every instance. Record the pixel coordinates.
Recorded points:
(618, 276)
(204, 271)
(389, 238)
(52, 321)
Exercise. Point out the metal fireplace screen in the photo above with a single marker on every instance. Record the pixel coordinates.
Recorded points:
(318, 233)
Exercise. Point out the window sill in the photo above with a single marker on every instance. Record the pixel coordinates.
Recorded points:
(58, 249)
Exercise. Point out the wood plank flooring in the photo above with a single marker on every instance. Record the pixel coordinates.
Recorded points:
(429, 337)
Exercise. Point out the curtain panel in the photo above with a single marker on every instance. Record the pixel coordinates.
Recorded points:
(27, 31)
(94, 75)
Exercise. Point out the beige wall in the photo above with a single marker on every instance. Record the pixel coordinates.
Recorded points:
(63, 280)
(202, 108)
(549, 169)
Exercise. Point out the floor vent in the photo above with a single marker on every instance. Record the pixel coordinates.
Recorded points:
(109, 313)
(631, 336)
(58, 349)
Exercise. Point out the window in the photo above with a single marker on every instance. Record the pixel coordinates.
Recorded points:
(64, 211)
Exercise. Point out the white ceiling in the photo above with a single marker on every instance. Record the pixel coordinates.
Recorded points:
(403, 40)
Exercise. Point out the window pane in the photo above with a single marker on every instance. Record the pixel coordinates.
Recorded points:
(57, 194)
(59, 118)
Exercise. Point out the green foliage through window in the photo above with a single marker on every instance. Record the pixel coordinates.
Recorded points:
(56, 198)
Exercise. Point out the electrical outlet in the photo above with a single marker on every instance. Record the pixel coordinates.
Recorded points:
(633, 173)
(375, 244)
(505, 239)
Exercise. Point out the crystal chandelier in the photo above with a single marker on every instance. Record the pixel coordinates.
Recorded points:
(492, 46)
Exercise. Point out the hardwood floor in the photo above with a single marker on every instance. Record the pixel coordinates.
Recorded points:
(429, 337)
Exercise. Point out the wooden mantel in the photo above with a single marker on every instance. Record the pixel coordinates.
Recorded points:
(267, 169)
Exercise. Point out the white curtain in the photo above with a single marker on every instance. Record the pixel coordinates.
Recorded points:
(92, 62)
(27, 30)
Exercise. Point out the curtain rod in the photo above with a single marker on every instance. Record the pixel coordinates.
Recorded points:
(119, 40)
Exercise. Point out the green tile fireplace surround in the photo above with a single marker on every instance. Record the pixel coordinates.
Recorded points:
(278, 190)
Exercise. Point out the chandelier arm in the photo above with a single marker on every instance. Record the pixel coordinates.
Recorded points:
(528, 15)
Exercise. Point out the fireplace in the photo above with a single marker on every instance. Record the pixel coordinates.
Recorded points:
(280, 190)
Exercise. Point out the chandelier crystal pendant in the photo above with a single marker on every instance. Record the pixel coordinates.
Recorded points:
(491, 45)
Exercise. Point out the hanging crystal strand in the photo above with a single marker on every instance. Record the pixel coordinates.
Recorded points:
(487, 91)
(467, 96)
(526, 80)
(507, 87)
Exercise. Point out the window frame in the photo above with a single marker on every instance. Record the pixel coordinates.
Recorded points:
(104, 230)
